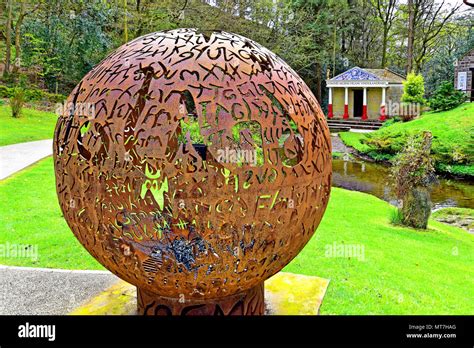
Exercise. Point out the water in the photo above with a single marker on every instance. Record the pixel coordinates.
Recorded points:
(373, 178)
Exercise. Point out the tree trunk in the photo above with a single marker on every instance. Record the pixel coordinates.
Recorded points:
(19, 22)
(416, 208)
(125, 23)
(317, 69)
(384, 48)
(411, 36)
(8, 38)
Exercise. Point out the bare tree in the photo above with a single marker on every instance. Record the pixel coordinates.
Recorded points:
(386, 12)
(430, 17)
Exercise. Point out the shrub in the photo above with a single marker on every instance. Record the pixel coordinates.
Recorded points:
(413, 174)
(390, 121)
(6, 92)
(446, 97)
(385, 142)
(33, 94)
(17, 101)
(414, 89)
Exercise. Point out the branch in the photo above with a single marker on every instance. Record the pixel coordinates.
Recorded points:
(466, 2)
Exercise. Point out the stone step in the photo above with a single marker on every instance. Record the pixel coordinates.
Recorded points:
(356, 126)
(339, 120)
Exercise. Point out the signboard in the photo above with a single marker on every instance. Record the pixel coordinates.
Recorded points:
(462, 80)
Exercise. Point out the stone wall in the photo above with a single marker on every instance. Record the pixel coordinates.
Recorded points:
(465, 65)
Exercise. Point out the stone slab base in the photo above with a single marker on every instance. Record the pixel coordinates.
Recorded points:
(285, 294)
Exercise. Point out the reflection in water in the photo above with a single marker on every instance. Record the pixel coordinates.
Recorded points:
(374, 179)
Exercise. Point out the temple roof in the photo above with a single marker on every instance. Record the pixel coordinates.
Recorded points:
(369, 76)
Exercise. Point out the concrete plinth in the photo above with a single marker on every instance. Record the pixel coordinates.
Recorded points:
(285, 294)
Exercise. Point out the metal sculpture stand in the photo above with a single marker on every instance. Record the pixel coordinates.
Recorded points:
(249, 302)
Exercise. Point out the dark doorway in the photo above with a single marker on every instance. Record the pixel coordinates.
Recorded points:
(358, 102)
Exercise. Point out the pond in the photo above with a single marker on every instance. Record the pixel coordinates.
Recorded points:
(373, 178)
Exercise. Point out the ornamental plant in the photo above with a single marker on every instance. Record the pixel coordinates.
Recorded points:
(414, 89)
(446, 97)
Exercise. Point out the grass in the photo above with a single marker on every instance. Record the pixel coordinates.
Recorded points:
(404, 271)
(30, 215)
(32, 125)
(453, 140)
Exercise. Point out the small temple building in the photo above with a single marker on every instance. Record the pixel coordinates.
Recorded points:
(464, 75)
(363, 93)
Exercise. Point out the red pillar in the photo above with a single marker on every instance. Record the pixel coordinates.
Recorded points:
(330, 113)
(364, 104)
(346, 103)
(383, 115)
(364, 112)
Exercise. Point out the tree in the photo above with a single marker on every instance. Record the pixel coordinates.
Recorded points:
(411, 36)
(21, 16)
(8, 38)
(386, 11)
(430, 17)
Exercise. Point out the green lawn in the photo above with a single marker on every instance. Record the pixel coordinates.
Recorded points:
(32, 125)
(453, 143)
(30, 215)
(403, 271)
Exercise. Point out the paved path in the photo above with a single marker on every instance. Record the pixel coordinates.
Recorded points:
(18, 156)
(35, 291)
(338, 145)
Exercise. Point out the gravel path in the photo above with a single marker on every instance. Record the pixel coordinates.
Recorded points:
(40, 291)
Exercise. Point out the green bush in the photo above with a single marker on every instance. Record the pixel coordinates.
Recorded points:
(446, 97)
(6, 92)
(17, 101)
(414, 89)
(390, 121)
(32, 94)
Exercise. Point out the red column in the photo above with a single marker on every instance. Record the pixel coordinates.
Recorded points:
(330, 113)
(383, 115)
(364, 105)
(364, 112)
(346, 103)
(346, 111)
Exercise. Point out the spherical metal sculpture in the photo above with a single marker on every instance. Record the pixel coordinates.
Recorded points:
(202, 170)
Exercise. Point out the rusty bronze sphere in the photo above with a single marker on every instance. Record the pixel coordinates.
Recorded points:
(194, 166)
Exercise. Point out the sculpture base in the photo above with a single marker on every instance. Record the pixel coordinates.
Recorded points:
(250, 302)
(285, 294)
